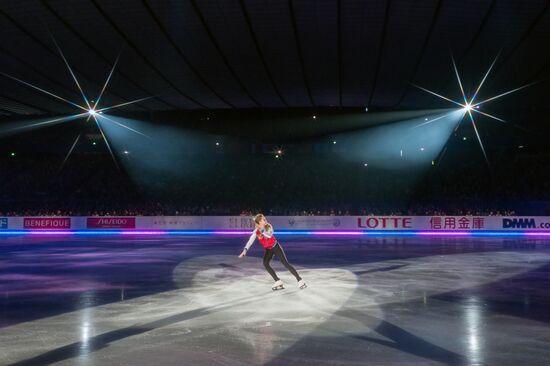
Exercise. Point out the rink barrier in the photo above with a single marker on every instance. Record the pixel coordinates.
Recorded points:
(284, 225)
(540, 234)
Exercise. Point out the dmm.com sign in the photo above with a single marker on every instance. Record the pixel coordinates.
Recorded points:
(111, 222)
(47, 223)
(526, 223)
(384, 223)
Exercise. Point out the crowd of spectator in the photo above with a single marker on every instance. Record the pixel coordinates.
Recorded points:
(91, 185)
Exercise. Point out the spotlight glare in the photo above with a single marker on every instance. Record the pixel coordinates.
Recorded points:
(91, 110)
(469, 106)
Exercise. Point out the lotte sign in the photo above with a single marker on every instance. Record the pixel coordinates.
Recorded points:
(385, 223)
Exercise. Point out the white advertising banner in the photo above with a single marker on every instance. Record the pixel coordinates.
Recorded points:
(306, 223)
(169, 222)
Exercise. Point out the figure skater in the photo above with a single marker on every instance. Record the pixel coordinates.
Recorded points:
(264, 233)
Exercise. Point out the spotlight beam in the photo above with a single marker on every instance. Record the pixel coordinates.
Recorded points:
(69, 153)
(505, 93)
(488, 115)
(42, 90)
(60, 120)
(433, 120)
(438, 95)
(460, 83)
(460, 120)
(479, 138)
(123, 104)
(500, 120)
(484, 78)
(123, 125)
(106, 142)
(70, 71)
(108, 80)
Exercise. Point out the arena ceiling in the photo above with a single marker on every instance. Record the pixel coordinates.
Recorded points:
(240, 54)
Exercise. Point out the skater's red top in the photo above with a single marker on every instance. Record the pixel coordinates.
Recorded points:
(265, 237)
(267, 241)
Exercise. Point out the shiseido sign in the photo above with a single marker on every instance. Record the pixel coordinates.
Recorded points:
(111, 222)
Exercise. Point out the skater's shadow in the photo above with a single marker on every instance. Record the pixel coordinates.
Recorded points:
(103, 340)
(397, 338)
(405, 341)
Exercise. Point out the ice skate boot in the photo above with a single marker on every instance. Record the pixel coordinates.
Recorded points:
(277, 286)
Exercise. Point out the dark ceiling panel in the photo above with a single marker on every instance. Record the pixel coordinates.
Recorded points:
(516, 72)
(272, 23)
(229, 27)
(189, 35)
(143, 35)
(10, 106)
(237, 54)
(409, 25)
(509, 21)
(362, 27)
(317, 24)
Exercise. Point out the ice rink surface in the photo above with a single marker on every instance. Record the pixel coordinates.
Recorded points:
(184, 300)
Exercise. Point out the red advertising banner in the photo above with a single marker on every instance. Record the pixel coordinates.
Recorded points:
(111, 223)
(47, 223)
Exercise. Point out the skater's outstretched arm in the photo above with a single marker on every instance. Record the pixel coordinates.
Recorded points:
(248, 244)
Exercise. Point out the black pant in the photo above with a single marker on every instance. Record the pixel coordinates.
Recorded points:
(278, 250)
